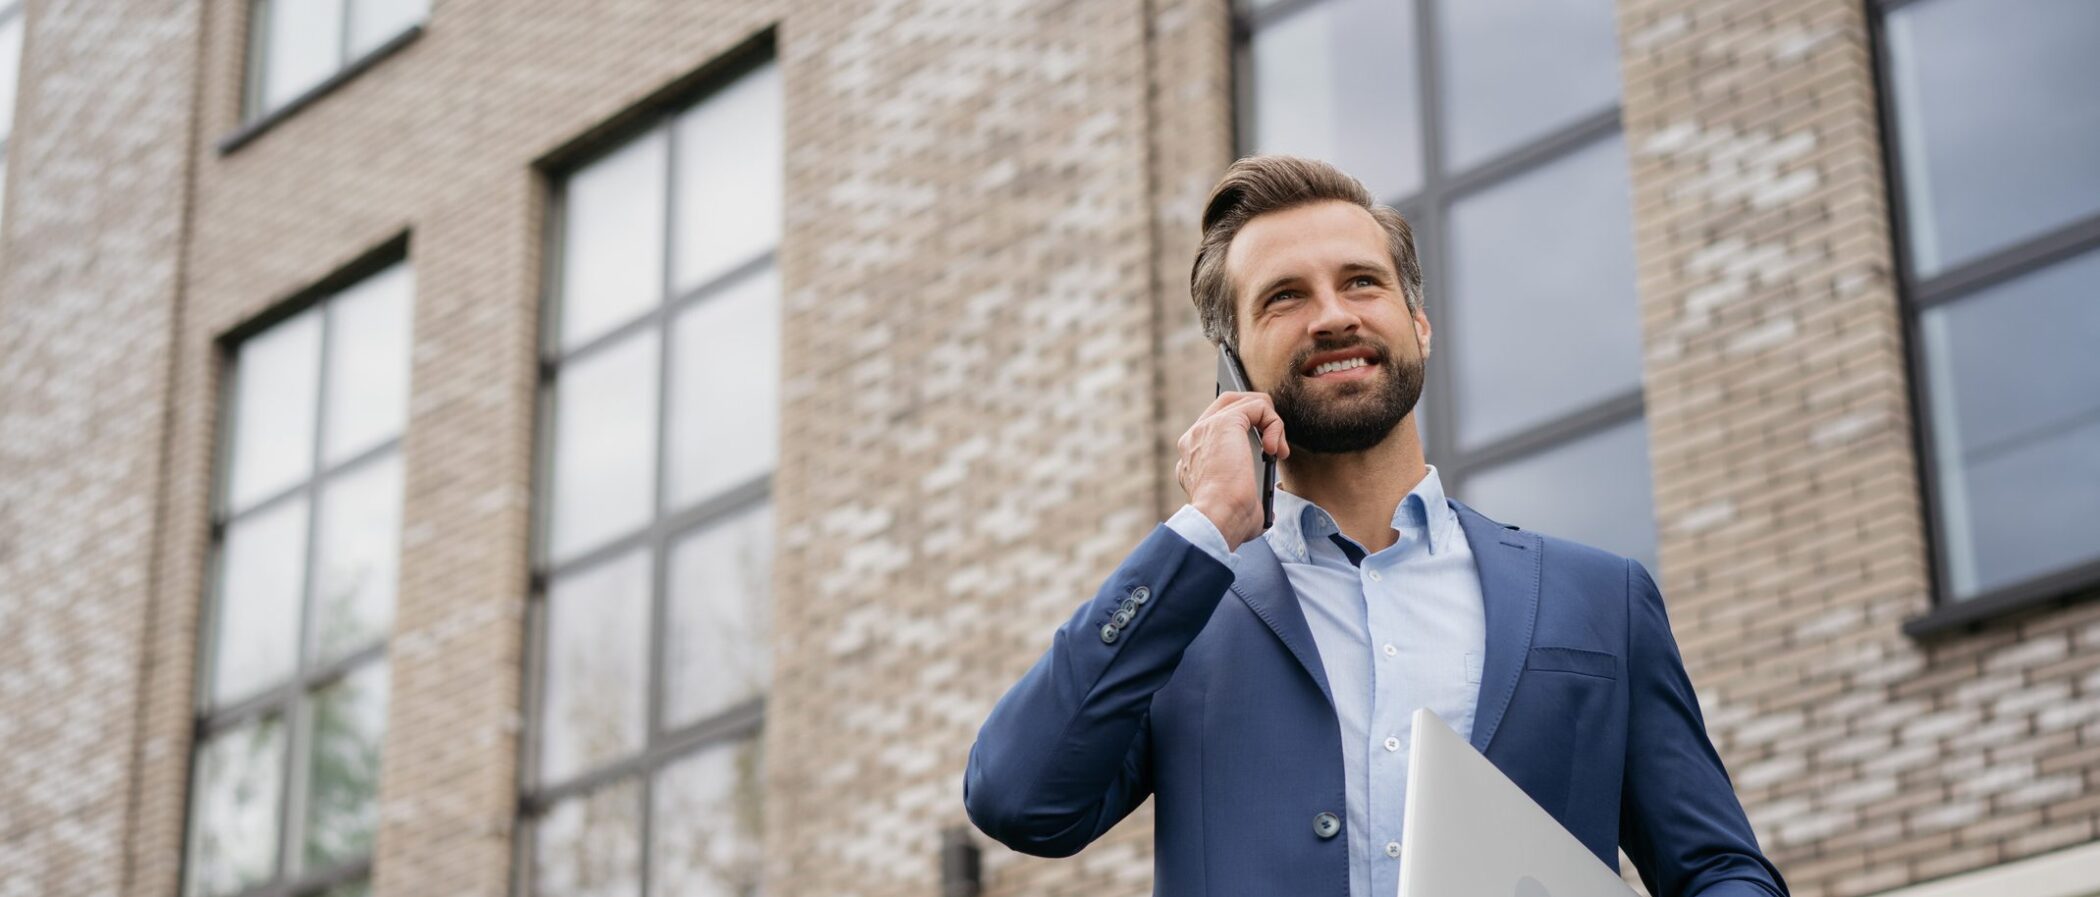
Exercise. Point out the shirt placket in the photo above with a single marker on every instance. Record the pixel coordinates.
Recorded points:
(1388, 742)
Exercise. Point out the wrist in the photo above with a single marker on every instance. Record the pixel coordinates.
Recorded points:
(1218, 519)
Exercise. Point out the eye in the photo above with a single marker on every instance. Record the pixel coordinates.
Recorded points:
(1365, 280)
(1279, 296)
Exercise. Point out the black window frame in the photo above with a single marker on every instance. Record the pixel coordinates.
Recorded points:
(1428, 210)
(662, 749)
(1915, 296)
(291, 699)
(255, 118)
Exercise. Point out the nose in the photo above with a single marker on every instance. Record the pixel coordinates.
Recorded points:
(1332, 314)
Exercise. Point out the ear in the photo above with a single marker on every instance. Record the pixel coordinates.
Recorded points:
(1423, 332)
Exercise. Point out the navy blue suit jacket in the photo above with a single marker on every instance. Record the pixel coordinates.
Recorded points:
(1212, 698)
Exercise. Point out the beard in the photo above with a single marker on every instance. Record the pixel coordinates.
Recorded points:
(1355, 415)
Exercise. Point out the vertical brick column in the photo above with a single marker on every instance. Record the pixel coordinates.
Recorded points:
(97, 179)
(969, 421)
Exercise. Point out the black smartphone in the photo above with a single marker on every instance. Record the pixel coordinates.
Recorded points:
(1233, 377)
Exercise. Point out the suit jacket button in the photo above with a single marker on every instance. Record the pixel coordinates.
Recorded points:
(1327, 825)
(1109, 631)
(1141, 594)
(1129, 606)
(1122, 618)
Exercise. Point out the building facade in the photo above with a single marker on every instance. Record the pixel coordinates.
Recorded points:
(460, 447)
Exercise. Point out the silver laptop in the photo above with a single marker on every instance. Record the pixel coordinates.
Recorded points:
(1471, 831)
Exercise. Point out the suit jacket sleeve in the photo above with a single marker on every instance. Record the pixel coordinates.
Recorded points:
(1067, 752)
(1680, 821)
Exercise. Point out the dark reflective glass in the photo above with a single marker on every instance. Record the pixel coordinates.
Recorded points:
(1515, 70)
(1542, 306)
(1998, 120)
(1595, 490)
(2014, 381)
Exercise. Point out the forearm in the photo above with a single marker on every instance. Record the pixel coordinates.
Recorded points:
(1681, 821)
(1052, 765)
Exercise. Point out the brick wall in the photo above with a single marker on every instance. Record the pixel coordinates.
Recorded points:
(88, 304)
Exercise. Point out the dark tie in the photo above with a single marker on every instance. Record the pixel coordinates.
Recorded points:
(1356, 555)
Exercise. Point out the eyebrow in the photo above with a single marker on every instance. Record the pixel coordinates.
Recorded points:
(1351, 267)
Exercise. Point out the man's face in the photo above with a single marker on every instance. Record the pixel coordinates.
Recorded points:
(1316, 285)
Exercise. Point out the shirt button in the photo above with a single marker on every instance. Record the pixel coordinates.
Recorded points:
(1392, 849)
(1374, 576)
(1391, 651)
(1392, 743)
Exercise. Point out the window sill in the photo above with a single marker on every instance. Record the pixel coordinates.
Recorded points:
(2073, 586)
(249, 131)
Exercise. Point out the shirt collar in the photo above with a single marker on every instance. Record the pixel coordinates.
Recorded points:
(1422, 514)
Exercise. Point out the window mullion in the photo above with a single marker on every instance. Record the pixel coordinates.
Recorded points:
(342, 34)
(659, 563)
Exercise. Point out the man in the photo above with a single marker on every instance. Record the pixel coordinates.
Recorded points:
(1259, 684)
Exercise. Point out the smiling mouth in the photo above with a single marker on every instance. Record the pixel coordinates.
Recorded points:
(1351, 369)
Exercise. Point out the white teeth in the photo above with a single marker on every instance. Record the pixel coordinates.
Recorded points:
(1342, 365)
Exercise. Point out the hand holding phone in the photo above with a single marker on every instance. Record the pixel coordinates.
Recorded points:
(1235, 488)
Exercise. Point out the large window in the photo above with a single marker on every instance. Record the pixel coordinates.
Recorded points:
(296, 45)
(660, 433)
(1994, 135)
(292, 686)
(1493, 125)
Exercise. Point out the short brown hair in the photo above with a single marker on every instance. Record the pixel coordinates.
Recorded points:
(1258, 185)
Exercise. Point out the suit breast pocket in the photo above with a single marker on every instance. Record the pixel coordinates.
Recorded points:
(1573, 660)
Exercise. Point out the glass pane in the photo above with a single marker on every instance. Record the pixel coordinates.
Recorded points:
(233, 811)
(729, 181)
(1999, 129)
(343, 767)
(368, 340)
(305, 46)
(1337, 82)
(1594, 490)
(612, 265)
(605, 445)
(725, 389)
(357, 556)
(597, 673)
(262, 575)
(276, 382)
(2014, 383)
(709, 813)
(1514, 70)
(359, 888)
(372, 22)
(591, 846)
(1542, 306)
(719, 649)
(10, 70)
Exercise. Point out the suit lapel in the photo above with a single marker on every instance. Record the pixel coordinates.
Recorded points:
(1267, 591)
(1508, 560)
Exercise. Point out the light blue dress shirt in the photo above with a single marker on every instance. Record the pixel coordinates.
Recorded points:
(1397, 629)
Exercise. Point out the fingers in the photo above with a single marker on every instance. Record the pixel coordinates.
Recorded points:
(1256, 411)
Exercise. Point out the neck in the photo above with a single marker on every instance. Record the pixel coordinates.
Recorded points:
(1360, 489)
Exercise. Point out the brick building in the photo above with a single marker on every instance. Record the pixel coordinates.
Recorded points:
(459, 447)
